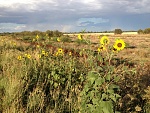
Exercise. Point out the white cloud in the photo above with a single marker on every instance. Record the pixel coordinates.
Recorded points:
(70, 14)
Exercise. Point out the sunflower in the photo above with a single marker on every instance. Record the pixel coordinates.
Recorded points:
(79, 36)
(58, 39)
(19, 57)
(70, 53)
(33, 40)
(46, 54)
(38, 46)
(14, 43)
(43, 52)
(60, 51)
(119, 44)
(39, 56)
(28, 56)
(114, 50)
(102, 48)
(37, 37)
(104, 40)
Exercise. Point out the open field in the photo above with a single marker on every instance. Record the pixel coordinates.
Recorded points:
(97, 34)
(68, 74)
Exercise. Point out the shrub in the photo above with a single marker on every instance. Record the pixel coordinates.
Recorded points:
(118, 31)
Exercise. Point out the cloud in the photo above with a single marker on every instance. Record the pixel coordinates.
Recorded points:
(69, 15)
(93, 21)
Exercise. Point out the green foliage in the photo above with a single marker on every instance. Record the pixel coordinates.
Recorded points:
(140, 31)
(118, 31)
(65, 39)
(147, 98)
(99, 94)
(145, 31)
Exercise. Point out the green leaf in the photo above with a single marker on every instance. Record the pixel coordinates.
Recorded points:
(116, 78)
(108, 77)
(107, 106)
(55, 85)
(112, 97)
(104, 96)
(114, 87)
(110, 91)
(92, 76)
(99, 81)
(117, 96)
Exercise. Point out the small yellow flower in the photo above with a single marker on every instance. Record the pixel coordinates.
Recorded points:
(14, 43)
(19, 57)
(60, 51)
(102, 48)
(39, 55)
(104, 40)
(33, 40)
(56, 54)
(119, 44)
(115, 50)
(70, 53)
(28, 56)
(37, 37)
(46, 54)
(79, 36)
(58, 39)
(25, 55)
(38, 46)
(43, 52)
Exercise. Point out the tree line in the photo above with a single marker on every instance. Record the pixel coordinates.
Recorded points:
(57, 33)
(145, 31)
(49, 33)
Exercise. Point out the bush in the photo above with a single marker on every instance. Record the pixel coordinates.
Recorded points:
(118, 31)
(65, 39)
(140, 31)
(147, 31)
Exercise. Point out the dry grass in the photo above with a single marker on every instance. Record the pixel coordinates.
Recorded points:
(138, 46)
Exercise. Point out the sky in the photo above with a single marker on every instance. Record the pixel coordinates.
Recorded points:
(74, 15)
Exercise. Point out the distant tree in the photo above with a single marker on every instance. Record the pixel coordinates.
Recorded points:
(49, 33)
(36, 32)
(118, 31)
(56, 33)
(147, 31)
(140, 31)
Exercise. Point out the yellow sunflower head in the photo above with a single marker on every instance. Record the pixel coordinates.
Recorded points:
(70, 53)
(43, 52)
(58, 39)
(39, 56)
(19, 57)
(119, 44)
(114, 50)
(101, 48)
(37, 37)
(104, 40)
(28, 56)
(60, 51)
(79, 36)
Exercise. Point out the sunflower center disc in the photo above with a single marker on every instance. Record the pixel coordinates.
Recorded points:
(119, 45)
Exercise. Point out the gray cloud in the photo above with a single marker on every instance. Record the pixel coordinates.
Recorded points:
(74, 15)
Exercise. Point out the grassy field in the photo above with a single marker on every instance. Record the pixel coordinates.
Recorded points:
(69, 74)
